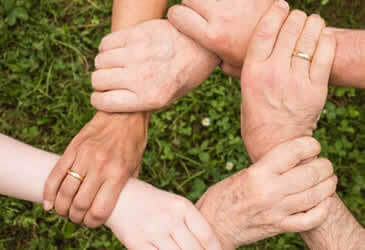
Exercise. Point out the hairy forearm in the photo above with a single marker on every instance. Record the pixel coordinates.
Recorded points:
(340, 231)
(348, 69)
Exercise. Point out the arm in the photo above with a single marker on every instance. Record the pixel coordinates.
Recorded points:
(108, 150)
(350, 54)
(218, 27)
(138, 206)
(282, 98)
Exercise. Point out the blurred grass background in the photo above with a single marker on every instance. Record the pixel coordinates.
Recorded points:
(46, 56)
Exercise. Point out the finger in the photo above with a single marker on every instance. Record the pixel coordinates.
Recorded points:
(289, 35)
(307, 44)
(263, 40)
(190, 23)
(323, 58)
(56, 178)
(201, 7)
(144, 247)
(112, 79)
(117, 101)
(184, 238)
(231, 70)
(306, 176)
(114, 40)
(202, 231)
(310, 198)
(308, 220)
(167, 244)
(85, 197)
(115, 58)
(289, 154)
(69, 188)
(104, 203)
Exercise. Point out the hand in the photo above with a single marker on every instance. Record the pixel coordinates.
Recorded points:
(278, 194)
(147, 218)
(147, 68)
(224, 27)
(107, 151)
(283, 95)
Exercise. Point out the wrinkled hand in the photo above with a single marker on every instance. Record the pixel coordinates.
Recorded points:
(147, 218)
(224, 27)
(283, 95)
(148, 67)
(278, 194)
(107, 151)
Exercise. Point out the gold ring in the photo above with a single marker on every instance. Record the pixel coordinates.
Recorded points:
(303, 56)
(75, 175)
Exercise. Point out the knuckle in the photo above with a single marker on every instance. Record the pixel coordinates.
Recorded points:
(101, 156)
(310, 198)
(295, 21)
(327, 165)
(266, 31)
(98, 213)
(215, 37)
(311, 174)
(317, 20)
(85, 149)
(307, 144)
(334, 180)
(66, 192)
(61, 210)
(104, 42)
(81, 205)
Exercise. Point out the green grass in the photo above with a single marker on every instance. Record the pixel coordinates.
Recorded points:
(46, 55)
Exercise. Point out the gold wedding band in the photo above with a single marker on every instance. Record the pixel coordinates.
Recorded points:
(75, 175)
(303, 56)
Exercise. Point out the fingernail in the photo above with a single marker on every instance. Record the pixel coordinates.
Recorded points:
(283, 4)
(47, 205)
(327, 31)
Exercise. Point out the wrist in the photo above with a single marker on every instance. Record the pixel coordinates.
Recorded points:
(261, 140)
(340, 230)
(350, 54)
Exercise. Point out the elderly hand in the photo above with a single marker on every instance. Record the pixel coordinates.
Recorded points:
(224, 27)
(148, 67)
(283, 95)
(146, 218)
(106, 152)
(278, 194)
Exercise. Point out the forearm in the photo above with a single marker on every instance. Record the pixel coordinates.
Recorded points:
(348, 69)
(127, 13)
(340, 231)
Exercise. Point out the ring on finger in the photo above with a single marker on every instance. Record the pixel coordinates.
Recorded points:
(75, 175)
(303, 55)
